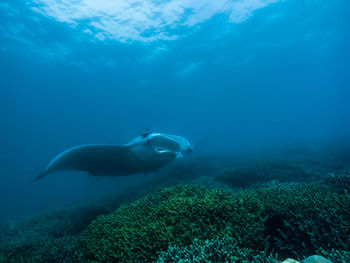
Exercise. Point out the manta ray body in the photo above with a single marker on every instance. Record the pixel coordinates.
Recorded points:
(146, 153)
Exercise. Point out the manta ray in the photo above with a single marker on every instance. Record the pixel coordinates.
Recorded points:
(146, 153)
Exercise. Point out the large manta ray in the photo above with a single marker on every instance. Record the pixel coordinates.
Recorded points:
(146, 153)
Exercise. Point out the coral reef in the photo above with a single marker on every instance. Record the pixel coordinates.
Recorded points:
(47, 237)
(253, 174)
(214, 250)
(177, 215)
(303, 218)
(226, 250)
(270, 210)
(338, 181)
(291, 220)
(336, 256)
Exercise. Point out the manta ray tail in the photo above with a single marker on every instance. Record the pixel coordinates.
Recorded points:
(39, 176)
(199, 143)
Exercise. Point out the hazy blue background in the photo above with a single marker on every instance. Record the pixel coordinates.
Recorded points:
(246, 74)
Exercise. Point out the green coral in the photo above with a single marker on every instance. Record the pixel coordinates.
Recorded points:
(336, 256)
(339, 181)
(192, 222)
(303, 218)
(298, 200)
(176, 215)
(49, 237)
(63, 249)
(288, 219)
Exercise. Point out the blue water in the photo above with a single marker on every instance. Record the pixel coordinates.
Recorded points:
(246, 75)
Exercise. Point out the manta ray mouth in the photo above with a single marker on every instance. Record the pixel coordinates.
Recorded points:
(161, 150)
(164, 151)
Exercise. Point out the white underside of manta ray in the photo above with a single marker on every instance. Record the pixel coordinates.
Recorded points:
(146, 153)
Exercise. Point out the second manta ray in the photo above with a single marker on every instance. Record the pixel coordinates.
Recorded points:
(146, 153)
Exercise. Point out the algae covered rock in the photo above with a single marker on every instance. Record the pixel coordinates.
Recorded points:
(316, 259)
(311, 259)
(290, 260)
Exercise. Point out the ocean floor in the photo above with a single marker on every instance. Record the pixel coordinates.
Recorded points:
(213, 208)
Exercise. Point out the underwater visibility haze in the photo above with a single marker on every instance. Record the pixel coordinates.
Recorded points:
(260, 89)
